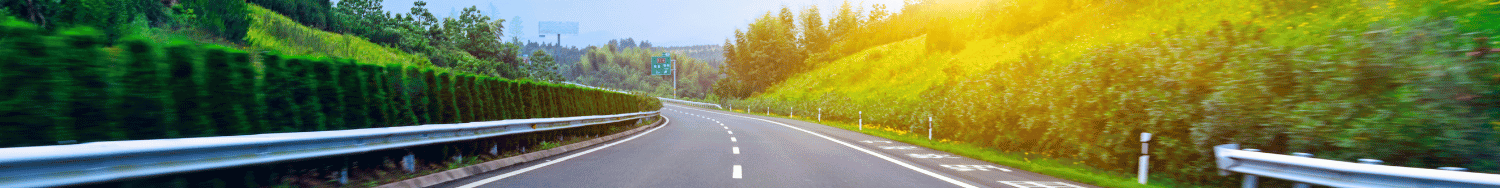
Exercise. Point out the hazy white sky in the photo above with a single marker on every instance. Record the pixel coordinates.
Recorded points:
(663, 22)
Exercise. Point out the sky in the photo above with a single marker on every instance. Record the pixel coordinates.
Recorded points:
(662, 22)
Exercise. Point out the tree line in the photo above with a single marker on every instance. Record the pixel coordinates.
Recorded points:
(630, 69)
(69, 87)
(468, 41)
(776, 46)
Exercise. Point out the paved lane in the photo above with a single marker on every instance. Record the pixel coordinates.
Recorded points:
(704, 148)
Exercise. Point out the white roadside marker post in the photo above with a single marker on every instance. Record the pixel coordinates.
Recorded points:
(1145, 158)
(929, 128)
(861, 120)
(820, 114)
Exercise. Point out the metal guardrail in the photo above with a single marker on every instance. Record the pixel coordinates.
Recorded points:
(662, 98)
(1339, 173)
(600, 88)
(52, 166)
(690, 102)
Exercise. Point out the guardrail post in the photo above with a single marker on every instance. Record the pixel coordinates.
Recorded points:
(344, 173)
(1250, 180)
(409, 162)
(1300, 184)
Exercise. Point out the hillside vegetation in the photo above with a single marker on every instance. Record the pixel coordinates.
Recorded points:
(66, 88)
(271, 30)
(630, 69)
(1410, 82)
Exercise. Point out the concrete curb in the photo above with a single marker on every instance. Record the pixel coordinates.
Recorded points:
(460, 173)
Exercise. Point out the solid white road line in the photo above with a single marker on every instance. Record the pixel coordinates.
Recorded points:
(528, 169)
(737, 172)
(736, 150)
(892, 160)
(731, 139)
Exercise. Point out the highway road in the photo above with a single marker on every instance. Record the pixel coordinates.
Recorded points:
(711, 148)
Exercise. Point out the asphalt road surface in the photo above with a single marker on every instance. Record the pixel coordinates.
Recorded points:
(711, 148)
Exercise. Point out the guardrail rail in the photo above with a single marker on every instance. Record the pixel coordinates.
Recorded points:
(94, 162)
(690, 102)
(1253, 164)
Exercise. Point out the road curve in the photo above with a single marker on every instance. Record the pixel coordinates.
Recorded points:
(709, 148)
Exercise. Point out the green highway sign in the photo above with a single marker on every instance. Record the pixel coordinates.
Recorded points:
(661, 65)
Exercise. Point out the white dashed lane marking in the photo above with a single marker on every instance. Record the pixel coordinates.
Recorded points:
(731, 139)
(1038, 184)
(731, 132)
(966, 168)
(899, 147)
(737, 174)
(736, 150)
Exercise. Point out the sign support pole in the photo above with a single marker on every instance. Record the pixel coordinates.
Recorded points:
(674, 77)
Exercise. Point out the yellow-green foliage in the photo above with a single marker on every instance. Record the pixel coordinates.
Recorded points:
(271, 30)
(1343, 79)
(885, 72)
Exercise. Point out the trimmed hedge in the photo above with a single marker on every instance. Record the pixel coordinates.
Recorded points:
(66, 88)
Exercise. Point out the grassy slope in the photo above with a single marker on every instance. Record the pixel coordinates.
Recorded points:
(900, 72)
(271, 30)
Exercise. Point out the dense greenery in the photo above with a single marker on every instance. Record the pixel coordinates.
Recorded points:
(222, 18)
(1408, 82)
(630, 69)
(272, 31)
(312, 13)
(774, 47)
(63, 87)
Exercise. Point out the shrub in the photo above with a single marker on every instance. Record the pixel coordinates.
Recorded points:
(305, 89)
(281, 88)
(26, 80)
(251, 99)
(330, 94)
(186, 83)
(355, 93)
(90, 100)
(223, 93)
(143, 87)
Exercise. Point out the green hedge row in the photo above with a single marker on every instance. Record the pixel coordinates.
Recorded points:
(67, 87)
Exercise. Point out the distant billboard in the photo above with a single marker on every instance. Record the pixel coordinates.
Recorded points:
(557, 28)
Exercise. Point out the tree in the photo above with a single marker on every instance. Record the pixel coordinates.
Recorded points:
(764, 55)
(225, 18)
(814, 35)
(844, 23)
(516, 29)
(543, 67)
